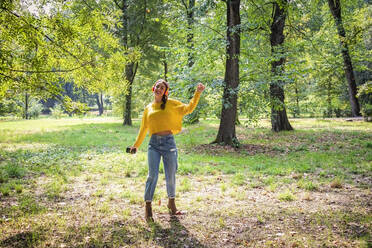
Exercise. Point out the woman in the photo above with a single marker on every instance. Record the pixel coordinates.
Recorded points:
(162, 119)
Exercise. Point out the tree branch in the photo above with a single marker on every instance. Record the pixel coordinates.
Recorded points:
(51, 40)
(260, 9)
(184, 4)
(304, 36)
(117, 4)
(216, 31)
(84, 1)
(50, 71)
(143, 23)
(12, 78)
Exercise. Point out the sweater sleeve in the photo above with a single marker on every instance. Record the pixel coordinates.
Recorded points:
(143, 129)
(188, 108)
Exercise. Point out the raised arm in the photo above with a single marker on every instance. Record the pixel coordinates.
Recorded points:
(188, 108)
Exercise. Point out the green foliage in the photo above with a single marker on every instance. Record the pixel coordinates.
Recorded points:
(365, 98)
(57, 111)
(87, 43)
(7, 106)
(14, 171)
(72, 108)
(35, 109)
(41, 46)
(367, 111)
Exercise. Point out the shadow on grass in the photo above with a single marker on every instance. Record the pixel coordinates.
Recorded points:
(23, 239)
(121, 234)
(175, 236)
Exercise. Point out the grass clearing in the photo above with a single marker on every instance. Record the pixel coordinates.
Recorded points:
(69, 183)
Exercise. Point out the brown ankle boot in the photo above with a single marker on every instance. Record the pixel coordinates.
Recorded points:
(148, 212)
(172, 207)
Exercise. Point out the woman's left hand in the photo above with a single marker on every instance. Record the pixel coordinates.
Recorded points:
(200, 88)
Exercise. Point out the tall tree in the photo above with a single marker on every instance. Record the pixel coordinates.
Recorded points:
(279, 119)
(70, 43)
(190, 16)
(99, 100)
(226, 133)
(335, 7)
(140, 29)
(130, 68)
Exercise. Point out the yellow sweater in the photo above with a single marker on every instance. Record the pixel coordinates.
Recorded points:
(155, 119)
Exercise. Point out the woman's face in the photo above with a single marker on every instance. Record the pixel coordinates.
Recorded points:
(160, 89)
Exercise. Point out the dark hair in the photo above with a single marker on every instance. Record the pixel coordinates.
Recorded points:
(165, 97)
(164, 100)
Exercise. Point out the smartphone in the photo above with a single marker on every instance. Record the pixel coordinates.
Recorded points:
(133, 151)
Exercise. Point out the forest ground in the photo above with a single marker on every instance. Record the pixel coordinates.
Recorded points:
(69, 183)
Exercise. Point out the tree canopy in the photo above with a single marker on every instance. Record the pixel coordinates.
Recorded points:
(116, 47)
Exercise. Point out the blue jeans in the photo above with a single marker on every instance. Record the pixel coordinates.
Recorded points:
(165, 147)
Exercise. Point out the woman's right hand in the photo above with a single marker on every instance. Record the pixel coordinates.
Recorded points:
(133, 149)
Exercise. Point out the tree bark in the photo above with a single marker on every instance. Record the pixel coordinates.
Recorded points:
(329, 99)
(190, 34)
(297, 112)
(279, 119)
(226, 133)
(99, 99)
(26, 115)
(130, 72)
(165, 64)
(335, 7)
(192, 118)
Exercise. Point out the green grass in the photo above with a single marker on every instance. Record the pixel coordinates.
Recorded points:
(69, 182)
(287, 195)
(307, 185)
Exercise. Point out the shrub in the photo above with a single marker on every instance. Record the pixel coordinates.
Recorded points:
(367, 112)
(57, 111)
(72, 108)
(365, 99)
(35, 109)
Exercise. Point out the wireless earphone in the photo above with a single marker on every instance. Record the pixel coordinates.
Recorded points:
(166, 91)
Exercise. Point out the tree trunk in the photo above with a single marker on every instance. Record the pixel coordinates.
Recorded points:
(190, 34)
(130, 72)
(27, 100)
(99, 100)
(165, 64)
(192, 118)
(226, 133)
(335, 7)
(297, 103)
(329, 99)
(129, 68)
(279, 119)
